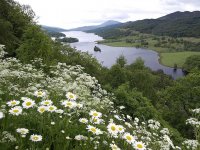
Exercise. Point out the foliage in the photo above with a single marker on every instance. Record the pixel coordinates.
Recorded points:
(175, 101)
(14, 19)
(192, 62)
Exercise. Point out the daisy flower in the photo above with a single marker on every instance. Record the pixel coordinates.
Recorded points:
(22, 131)
(36, 138)
(42, 109)
(112, 129)
(79, 105)
(121, 129)
(51, 108)
(46, 102)
(40, 93)
(95, 114)
(129, 138)
(28, 103)
(114, 147)
(13, 103)
(94, 130)
(71, 96)
(83, 120)
(96, 120)
(17, 110)
(69, 104)
(139, 146)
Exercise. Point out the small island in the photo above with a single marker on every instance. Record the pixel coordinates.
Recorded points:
(97, 49)
(67, 40)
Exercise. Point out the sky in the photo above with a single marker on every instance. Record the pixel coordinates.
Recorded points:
(75, 13)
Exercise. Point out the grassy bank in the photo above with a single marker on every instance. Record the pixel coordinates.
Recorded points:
(169, 59)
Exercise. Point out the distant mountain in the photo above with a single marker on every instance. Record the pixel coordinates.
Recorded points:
(105, 24)
(177, 24)
(53, 29)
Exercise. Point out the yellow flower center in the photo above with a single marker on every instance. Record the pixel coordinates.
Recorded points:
(13, 103)
(114, 147)
(28, 104)
(15, 110)
(139, 145)
(35, 138)
(42, 109)
(51, 108)
(113, 128)
(71, 96)
(46, 103)
(95, 114)
(120, 129)
(93, 129)
(69, 104)
(128, 138)
(40, 93)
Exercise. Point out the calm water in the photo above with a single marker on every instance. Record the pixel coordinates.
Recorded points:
(108, 55)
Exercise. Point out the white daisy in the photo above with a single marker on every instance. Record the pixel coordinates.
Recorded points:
(112, 129)
(95, 114)
(79, 105)
(114, 147)
(94, 130)
(69, 104)
(139, 146)
(121, 129)
(13, 103)
(46, 102)
(22, 131)
(71, 96)
(59, 111)
(36, 138)
(129, 138)
(80, 137)
(42, 109)
(28, 103)
(83, 120)
(96, 120)
(17, 110)
(51, 108)
(40, 93)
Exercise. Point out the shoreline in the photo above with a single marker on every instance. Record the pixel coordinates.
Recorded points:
(182, 54)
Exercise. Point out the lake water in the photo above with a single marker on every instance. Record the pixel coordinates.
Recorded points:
(108, 55)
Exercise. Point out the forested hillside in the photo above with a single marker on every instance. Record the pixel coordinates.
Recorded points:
(177, 24)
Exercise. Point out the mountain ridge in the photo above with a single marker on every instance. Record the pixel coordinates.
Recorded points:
(86, 28)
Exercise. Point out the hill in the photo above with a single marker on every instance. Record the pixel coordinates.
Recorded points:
(53, 29)
(105, 24)
(177, 24)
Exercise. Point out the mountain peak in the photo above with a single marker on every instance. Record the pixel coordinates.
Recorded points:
(86, 28)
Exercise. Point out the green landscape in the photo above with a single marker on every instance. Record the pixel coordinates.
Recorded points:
(54, 97)
(172, 50)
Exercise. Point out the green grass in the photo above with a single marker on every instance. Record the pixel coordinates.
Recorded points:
(169, 59)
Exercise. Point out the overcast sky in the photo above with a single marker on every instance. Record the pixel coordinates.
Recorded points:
(74, 13)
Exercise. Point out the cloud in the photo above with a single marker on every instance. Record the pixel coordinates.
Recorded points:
(74, 13)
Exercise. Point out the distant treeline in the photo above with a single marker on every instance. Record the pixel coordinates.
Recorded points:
(178, 24)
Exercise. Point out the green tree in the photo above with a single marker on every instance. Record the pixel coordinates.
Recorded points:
(192, 62)
(121, 60)
(35, 44)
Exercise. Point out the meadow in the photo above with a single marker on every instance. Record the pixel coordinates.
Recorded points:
(68, 109)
